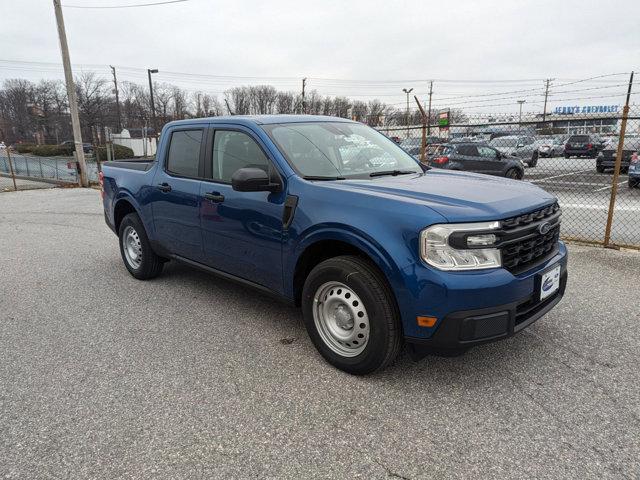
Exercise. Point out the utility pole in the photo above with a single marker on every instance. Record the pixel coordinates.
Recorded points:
(153, 105)
(304, 103)
(546, 95)
(228, 107)
(115, 84)
(407, 91)
(520, 102)
(71, 94)
(429, 110)
(616, 170)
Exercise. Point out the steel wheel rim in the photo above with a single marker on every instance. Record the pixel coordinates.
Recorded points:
(132, 247)
(341, 319)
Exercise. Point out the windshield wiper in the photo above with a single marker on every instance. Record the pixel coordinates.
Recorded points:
(316, 177)
(392, 172)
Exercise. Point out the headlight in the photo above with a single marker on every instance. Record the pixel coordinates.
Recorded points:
(446, 246)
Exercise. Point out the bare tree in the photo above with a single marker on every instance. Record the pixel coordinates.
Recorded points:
(359, 111)
(179, 104)
(240, 100)
(92, 101)
(263, 99)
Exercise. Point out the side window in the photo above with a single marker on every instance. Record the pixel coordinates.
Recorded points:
(488, 152)
(184, 153)
(468, 150)
(233, 151)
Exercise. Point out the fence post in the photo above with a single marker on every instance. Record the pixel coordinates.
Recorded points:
(616, 171)
(40, 164)
(423, 144)
(13, 175)
(26, 163)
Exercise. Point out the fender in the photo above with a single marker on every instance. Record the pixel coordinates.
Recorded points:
(343, 233)
(126, 196)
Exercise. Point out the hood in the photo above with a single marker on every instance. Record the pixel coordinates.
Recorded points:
(458, 196)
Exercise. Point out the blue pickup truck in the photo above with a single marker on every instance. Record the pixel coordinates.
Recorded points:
(380, 251)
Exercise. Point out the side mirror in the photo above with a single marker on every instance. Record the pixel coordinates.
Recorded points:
(253, 180)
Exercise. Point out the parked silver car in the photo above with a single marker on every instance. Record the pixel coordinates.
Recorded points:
(521, 146)
(551, 146)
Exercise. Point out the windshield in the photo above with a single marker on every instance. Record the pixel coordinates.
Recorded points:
(330, 150)
(504, 142)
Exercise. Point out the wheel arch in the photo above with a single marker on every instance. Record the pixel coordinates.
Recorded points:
(123, 207)
(326, 244)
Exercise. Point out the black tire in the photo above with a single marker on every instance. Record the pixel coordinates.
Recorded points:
(566, 155)
(534, 160)
(631, 184)
(599, 169)
(514, 174)
(150, 264)
(368, 283)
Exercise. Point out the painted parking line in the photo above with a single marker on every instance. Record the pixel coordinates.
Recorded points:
(608, 186)
(578, 184)
(561, 175)
(580, 206)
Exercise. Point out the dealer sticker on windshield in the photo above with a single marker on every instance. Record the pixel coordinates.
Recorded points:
(550, 282)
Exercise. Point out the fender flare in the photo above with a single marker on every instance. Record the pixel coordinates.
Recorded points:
(351, 236)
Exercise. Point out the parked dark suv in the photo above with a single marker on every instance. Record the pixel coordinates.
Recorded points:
(606, 159)
(479, 158)
(582, 146)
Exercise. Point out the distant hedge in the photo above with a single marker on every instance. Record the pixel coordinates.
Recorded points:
(118, 151)
(25, 147)
(52, 150)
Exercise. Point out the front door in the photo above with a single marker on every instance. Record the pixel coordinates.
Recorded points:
(242, 231)
(490, 161)
(176, 199)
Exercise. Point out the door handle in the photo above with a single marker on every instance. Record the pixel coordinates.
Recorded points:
(215, 197)
(164, 187)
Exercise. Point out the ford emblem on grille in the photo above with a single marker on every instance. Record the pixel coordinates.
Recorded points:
(544, 228)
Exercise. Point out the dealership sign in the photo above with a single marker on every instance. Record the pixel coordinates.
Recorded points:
(587, 109)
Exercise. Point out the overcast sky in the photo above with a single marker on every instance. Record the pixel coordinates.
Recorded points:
(467, 47)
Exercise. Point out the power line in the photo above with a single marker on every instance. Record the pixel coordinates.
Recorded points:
(125, 6)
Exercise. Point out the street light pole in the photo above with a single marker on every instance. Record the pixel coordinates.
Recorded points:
(153, 105)
(407, 92)
(520, 102)
(71, 94)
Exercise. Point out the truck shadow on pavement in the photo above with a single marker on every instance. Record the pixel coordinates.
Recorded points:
(264, 317)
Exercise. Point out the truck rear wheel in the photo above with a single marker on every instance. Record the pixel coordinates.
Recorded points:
(351, 315)
(137, 254)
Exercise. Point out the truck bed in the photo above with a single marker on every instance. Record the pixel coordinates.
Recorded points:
(141, 164)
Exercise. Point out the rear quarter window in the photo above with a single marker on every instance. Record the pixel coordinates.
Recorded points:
(184, 153)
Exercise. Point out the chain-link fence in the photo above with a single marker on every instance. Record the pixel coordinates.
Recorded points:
(571, 155)
(25, 171)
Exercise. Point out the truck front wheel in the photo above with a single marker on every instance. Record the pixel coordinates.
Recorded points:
(351, 315)
(137, 254)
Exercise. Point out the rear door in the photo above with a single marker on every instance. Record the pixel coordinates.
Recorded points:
(176, 200)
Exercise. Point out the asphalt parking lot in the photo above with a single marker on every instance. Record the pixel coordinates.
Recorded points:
(189, 376)
(584, 196)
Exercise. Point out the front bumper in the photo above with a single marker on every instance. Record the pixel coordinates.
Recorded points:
(474, 307)
(467, 328)
(580, 152)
